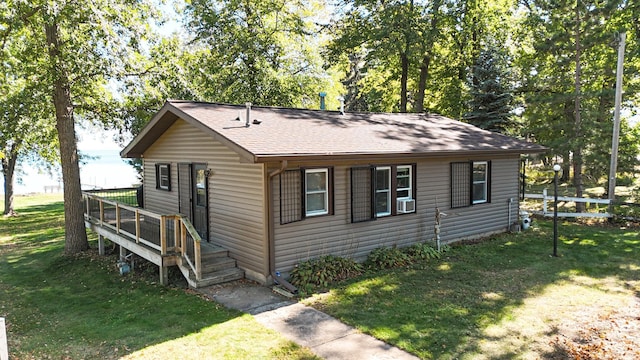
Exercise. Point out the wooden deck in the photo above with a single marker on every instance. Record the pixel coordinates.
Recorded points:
(165, 240)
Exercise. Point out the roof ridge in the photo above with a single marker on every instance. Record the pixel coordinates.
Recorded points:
(274, 107)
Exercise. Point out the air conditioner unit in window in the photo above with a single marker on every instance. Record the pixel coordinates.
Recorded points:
(406, 205)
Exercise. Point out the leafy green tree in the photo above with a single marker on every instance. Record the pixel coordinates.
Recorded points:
(391, 35)
(26, 126)
(567, 66)
(78, 47)
(255, 51)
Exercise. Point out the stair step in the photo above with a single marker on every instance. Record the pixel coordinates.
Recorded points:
(216, 264)
(221, 276)
(208, 252)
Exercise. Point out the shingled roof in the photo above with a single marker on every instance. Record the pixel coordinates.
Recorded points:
(276, 134)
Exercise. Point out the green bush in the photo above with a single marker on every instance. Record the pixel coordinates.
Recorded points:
(386, 258)
(423, 251)
(323, 271)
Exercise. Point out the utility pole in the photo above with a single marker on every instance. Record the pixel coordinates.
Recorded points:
(616, 123)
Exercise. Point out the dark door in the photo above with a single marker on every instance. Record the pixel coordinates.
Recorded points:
(200, 216)
(185, 192)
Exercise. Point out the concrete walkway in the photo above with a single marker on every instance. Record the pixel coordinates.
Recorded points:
(326, 336)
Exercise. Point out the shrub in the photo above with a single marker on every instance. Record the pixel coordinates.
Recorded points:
(423, 251)
(386, 258)
(323, 271)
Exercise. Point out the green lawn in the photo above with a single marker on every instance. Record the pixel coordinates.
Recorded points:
(501, 298)
(79, 307)
(505, 297)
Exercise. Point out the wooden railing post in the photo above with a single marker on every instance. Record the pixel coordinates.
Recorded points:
(183, 238)
(101, 212)
(196, 254)
(137, 226)
(163, 235)
(176, 230)
(118, 218)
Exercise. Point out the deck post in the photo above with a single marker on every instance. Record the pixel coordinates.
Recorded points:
(101, 245)
(118, 220)
(137, 226)
(164, 275)
(123, 253)
(183, 239)
(176, 231)
(101, 213)
(163, 235)
(197, 254)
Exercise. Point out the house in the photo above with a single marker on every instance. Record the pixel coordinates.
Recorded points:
(277, 186)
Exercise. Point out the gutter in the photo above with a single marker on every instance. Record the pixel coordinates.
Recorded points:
(271, 236)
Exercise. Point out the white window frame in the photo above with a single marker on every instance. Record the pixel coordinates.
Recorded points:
(164, 180)
(409, 189)
(387, 191)
(324, 191)
(484, 182)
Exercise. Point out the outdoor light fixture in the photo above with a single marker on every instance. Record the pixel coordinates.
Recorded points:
(556, 169)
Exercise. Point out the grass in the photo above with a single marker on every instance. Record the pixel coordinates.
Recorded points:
(501, 298)
(79, 307)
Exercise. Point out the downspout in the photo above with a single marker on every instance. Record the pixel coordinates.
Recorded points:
(272, 246)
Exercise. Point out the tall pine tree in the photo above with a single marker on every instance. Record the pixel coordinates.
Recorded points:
(491, 101)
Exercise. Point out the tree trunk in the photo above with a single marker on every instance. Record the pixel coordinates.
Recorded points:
(404, 63)
(75, 232)
(577, 152)
(426, 58)
(8, 171)
(422, 82)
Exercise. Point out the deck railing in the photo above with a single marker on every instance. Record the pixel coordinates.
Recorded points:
(167, 234)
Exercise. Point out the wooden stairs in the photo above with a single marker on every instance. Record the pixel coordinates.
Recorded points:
(217, 267)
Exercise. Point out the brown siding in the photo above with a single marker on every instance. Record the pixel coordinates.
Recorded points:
(335, 234)
(236, 192)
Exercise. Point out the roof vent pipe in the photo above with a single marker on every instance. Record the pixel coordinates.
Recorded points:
(341, 99)
(322, 103)
(247, 121)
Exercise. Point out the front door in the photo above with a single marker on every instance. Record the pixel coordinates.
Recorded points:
(200, 216)
(193, 193)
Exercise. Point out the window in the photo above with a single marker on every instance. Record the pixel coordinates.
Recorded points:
(316, 192)
(201, 185)
(479, 189)
(377, 191)
(470, 183)
(305, 193)
(163, 177)
(383, 191)
(404, 182)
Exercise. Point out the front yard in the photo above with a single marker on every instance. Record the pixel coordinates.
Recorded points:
(500, 298)
(507, 298)
(60, 307)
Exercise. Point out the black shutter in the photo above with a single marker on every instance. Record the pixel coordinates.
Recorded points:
(362, 194)
(291, 208)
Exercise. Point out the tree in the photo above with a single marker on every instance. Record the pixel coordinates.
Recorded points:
(387, 34)
(23, 107)
(568, 79)
(491, 97)
(255, 51)
(78, 47)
